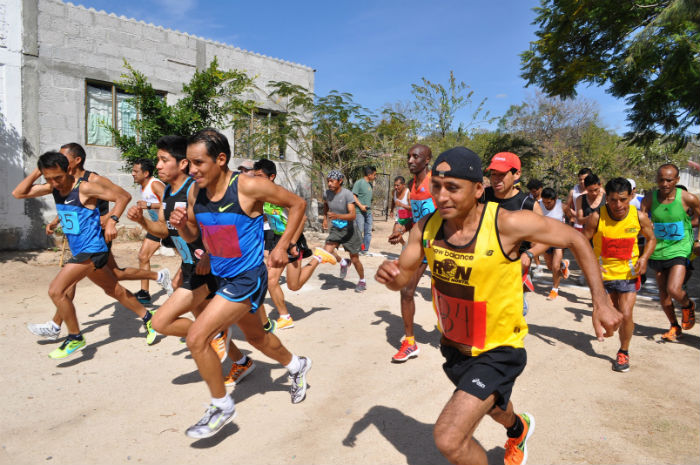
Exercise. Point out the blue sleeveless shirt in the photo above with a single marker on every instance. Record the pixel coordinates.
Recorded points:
(170, 198)
(81, 225)
(233, 239)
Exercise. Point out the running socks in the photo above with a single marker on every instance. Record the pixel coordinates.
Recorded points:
(75, 337)
(626, 352)
(242, 361)
(147, 317)
(517, 429)
(55, 326)
(294, 366)
(225, 403)
(344, 262)
(410, 339)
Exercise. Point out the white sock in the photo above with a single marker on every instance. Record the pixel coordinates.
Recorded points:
(225, 403)
(294, 366)
(55, 326)
(555, 289)
(286, 317)
(363, 280)
(160, 276)
(242, 361)
(344, 262)
(320, 260)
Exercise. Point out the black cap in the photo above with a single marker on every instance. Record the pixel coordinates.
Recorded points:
(464, 164)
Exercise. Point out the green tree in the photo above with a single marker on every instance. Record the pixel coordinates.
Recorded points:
(647, 51)
(212, 98)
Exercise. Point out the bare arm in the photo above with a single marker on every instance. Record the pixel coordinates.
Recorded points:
(395, 274)
(591, 225)
(580, 219)
(691, 202)
(648, 233)
(27, 189)
(569, 205)
(158, 188)
(158, 228)
(113, 193)
(183, 219)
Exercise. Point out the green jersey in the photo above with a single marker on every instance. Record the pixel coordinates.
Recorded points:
(674, 234)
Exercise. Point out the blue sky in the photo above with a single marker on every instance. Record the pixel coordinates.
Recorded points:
(376, 49)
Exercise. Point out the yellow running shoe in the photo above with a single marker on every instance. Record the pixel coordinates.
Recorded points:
(325, 257)
(150, 333)
(283, 323)
(68, 347)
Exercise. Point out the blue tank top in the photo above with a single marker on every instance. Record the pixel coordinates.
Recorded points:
(186, 251)
(81, 225)
(233, 239)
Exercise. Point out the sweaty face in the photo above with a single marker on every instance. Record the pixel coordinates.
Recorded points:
(57, 178)
(417, 159)
(203, 168)
(618, 204)
(666, 180)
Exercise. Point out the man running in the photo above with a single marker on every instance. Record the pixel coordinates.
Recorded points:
(339, 208)
(151, 199)
(473, 249)
(554, 256)
(400, 202)
(225, 210)
(578, 190)
(667, 206)
(591, 200)
(76, 203)
(362, 192)
(614, 230)
(76, 156)
(422, 204)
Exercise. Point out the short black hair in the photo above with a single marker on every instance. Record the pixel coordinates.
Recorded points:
(592, 179)
(548, 193)
(76, 150)
(585, 171)
(146, 165)
(266, 166)
(367, 170)
(400, 178)
(213, 140)
(618, 186)
(52, 159)
(534, 184)
(176, 146)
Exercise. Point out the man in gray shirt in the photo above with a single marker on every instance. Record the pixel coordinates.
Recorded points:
(339, 211)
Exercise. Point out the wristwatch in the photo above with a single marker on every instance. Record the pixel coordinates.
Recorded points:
(115, 218)
(148, 205)
(529, 254)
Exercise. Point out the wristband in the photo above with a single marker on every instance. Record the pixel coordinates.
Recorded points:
(115, 218)
(530, 254)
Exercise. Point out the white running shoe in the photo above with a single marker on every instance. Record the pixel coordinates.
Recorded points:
(46, 330)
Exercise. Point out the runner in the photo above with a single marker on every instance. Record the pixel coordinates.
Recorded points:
(76, 156)
(591, 200)
(226, 210)
(421, 205)
(76, 203)
(614, 231)
(477, 293)
(339, 208)
(198, 285)
(296, 274)
(552, 208)
(667, 206)
(362, 192)
(578, 190)
(151, 194)
(400, 201)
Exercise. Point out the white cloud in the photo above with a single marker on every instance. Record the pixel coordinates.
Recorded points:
(501, 95)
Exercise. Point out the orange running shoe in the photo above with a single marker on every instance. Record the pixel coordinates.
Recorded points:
(516, 448)
(622, 364)
(673, 334)
(406, 351)
(220, 345)
(238, 372)
(284, 323)
(688, 319)
(565, 268)
(552, 295)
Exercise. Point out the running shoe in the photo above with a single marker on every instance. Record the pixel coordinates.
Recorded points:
(565, 268)
(343, 269)
(361, 286)
(325, 257)
(143, 296)
(238, 372)
(516, 448)
(46, 330)
(622, 364)
(284, 323)
(527, 282)
(68, 347)
(688, 318)
(213, 420)
(552, 295)
(298, 380)
(673, 334)
(150, 332)
(220, 345)
(405, 352)
(165, 282)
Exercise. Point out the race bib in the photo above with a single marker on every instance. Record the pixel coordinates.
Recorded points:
(221, 240)
(462, 321)
(420, 208)
(69, 222)
(669, 231)
(618, 247)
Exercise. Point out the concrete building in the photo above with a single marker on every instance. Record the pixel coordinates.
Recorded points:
(59, 63)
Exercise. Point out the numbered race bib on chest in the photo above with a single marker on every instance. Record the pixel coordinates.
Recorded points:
(420, 208)
(69, 222)
(620, 248)
(669, 231)
(462, 321)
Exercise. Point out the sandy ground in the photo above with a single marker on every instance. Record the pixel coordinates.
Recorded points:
(121, 401)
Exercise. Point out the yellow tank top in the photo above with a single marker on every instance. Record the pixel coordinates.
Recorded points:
(477, 290)
(615, 244)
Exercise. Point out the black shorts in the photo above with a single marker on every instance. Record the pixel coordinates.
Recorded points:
(270, 239)
(251, 284)
(153, 238)
(486, 373)
(662, 265)
(192, 280)
(622, 286)
(99, 259)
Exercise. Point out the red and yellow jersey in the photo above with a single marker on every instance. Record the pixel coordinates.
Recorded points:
(615, 244)
(477, 290)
